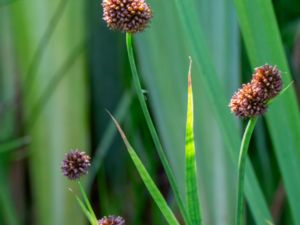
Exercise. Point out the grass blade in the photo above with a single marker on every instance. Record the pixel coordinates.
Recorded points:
(85, 210)
(262, 38)
(7, 207)
(192, 195)
(152, 129)
(106, 140)
(14, 144)
(40, 50)
(149, 183)
(87, 202)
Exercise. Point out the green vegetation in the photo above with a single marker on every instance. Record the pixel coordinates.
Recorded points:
(62, 69)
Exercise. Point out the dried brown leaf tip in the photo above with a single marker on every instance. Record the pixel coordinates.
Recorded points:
(111, 220)
(75, 164)
(126, 15)
(251, 100)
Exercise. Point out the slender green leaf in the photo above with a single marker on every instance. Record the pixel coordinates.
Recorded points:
(107, 139)
(152, 128)
(262, 38)
(269, 222)
(192, 195)
(57, 79)
(85, 210)
(43, 43)
(149, 183)
(10, 213)
(7, 207)
(87, 203)
(14, 144)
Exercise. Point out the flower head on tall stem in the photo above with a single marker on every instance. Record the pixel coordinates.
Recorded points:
(249, 102)
(75, 164)
(126, 15)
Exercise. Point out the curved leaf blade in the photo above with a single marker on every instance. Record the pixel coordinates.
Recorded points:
(149, 183)
(191, 179)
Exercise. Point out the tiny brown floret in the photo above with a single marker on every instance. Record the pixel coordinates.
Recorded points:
(111, 220)
(268, 79)
(75, 164)
(126, 15)
(247, 102)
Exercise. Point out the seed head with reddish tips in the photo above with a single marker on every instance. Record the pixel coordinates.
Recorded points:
(75, 164)
(111, 220)
(247, 102)
(268, 79)
(251, 100)
(126, 15)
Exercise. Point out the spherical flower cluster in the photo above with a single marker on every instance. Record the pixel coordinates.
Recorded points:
(247, 103)
(75, 164)
(111, 220)
(251, 100)
(268, 78)
(126, 15)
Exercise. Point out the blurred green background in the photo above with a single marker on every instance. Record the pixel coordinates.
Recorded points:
(61, 67)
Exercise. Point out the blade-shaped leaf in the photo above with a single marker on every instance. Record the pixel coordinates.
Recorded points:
(87, 203)
(6, 207)
(149, 183)
(107, 139)
(14, 144)
(85, 209)
(192, 195)
(152, 129)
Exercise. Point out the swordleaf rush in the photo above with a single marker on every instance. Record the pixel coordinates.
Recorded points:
(249, 102)
(132, 16)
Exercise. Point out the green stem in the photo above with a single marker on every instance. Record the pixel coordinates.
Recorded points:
(152, 129)
(241, 169)
(86, 202)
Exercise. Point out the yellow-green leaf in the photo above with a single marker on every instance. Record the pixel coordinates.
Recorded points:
(191, 177)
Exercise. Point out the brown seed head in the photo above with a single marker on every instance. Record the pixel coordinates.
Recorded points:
(268, 79)
(126, 15)
(248, 102)
(111, 220)
(75, 164)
